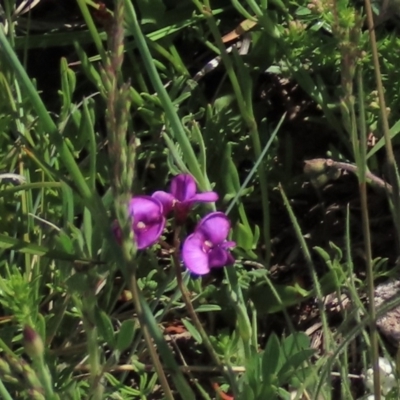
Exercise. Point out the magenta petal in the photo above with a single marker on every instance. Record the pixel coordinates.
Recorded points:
(166, 199)
(150, 235)
(194, 256)
(148, 220)
(183, 187)
(145, 208)
(205, 197)
(230, 259)
(215, 227)
(218, 257)
(116, 230)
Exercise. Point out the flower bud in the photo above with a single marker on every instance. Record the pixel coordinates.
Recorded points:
(33, 343)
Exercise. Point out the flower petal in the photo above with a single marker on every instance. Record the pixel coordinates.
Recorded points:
(218, 257)
(228, 244)
(145, 208)
(205, 197)
(166, 199)
(215, 227)
(148, 236)
(183, 187)
(148, 220)
(116, 230)
(194, 256)
(230, 260)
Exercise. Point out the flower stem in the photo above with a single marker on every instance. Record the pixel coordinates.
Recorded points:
(96, 387)
(4, 392)
(133, 287)
(193, 315)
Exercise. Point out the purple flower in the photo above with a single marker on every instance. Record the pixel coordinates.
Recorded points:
(148, 220)
(207, 247)
(182, 196)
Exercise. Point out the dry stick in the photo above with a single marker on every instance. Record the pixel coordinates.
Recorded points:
(187, 369)
(375, 180)
(338, 165)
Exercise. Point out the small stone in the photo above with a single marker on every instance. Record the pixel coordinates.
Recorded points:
(389, 323)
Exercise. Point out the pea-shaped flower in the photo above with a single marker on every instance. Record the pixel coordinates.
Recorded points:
(148, 220)
(181, 197)
(207, 246)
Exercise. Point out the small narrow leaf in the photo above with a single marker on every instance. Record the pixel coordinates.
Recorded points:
(193, 331)
(125, 335)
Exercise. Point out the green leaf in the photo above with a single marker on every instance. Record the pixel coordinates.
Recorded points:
(64, 241)
(68, 83)
(394, 130)
(208, 308)
(247, 393)
(89, 69)
(78, 283)
(88, 230)
(166, 354)
(332, 280)
(338, 251)
(89, 115)
(324, 254)
(301, 11)
(193, 331)
(105, 327)
(293, 365)
(270, 26)
(294, 343)
(125, 335)
(86, 125)
(9, 243)
(67, 204)
(253, 372)
(283, 394)
(198, 137)
(41, 325)
(243, 236)
(45, 118)
(266, 302)
(271, 360)
(151, 11)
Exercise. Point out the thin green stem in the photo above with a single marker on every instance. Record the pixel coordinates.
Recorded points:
(171, 114)
(45, 378)
(96, 387)
(310, 265)
(93, 30)
(91, 198)
(4, 392)
(246, 109)
(192, 313)
(370, 290)
(367, 239)
(393, 173)
(189, 306)
(133, 287)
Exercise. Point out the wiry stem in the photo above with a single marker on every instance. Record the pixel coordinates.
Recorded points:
(122, 155)
(367, 240)
(96, 386)
(192, 313)
(133, 287)
(392, 168)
